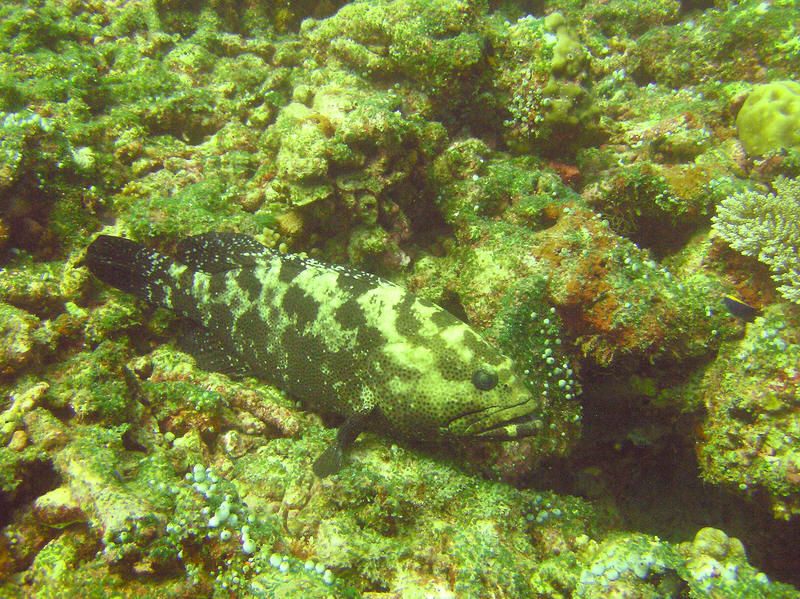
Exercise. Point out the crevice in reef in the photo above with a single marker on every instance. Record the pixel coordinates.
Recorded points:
(38, 478)
(657, 489)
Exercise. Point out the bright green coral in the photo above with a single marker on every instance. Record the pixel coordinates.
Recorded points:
(770, 118)
(767, 226)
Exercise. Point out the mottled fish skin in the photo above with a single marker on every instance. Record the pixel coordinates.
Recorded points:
(343, 341)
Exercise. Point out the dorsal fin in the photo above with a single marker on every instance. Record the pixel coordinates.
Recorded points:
(218, 252)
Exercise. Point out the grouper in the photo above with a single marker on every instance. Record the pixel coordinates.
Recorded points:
(343, 341)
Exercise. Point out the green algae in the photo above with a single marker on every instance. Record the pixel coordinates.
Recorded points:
(434, 46)
(95, 386)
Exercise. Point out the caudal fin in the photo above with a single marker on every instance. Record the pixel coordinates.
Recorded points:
(131, 267)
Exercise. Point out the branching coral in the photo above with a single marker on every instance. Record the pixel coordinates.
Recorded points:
(766, 226)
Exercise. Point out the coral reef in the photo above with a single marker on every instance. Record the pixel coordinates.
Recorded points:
(549, 99)
(547, 171)
(747, 41)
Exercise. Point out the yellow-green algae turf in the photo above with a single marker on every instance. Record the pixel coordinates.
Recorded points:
(139, 511)
(401, 519)
(96, 386)
(48, 175)
(433, 47)
(656, 178)
(737, 42)
(634, 564)
(342, 149)
(750, 436)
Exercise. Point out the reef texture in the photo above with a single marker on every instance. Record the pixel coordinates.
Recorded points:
(571, 182)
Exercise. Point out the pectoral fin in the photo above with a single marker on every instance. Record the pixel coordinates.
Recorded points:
(331, 460)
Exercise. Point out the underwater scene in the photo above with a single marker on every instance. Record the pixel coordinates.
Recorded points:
(400, 299)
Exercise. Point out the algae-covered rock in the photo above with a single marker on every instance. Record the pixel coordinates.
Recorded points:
(58, 508)
(714, 543)
(751, 392)
(747, 41)
(656, 206)
(540, 72)
(401, 518)
(637, 565)
(41, 179)
(568, 53)
(347, 153)
(717, 564)
(632, 17)
(436, 46)
(16, 338)
(614, 299)
(90, 464)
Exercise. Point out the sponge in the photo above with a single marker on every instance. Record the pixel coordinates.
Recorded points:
(770, 118)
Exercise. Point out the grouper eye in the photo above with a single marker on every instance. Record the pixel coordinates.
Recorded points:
(484, 379)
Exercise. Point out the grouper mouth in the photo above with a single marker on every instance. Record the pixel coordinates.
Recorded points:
(490, 424)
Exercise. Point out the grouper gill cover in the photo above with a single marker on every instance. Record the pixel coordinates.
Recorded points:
(343, 341)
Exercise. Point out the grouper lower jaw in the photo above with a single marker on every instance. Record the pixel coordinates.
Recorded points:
(525, 426)
(523, 420)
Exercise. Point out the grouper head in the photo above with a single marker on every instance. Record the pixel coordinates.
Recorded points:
(442, 379)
